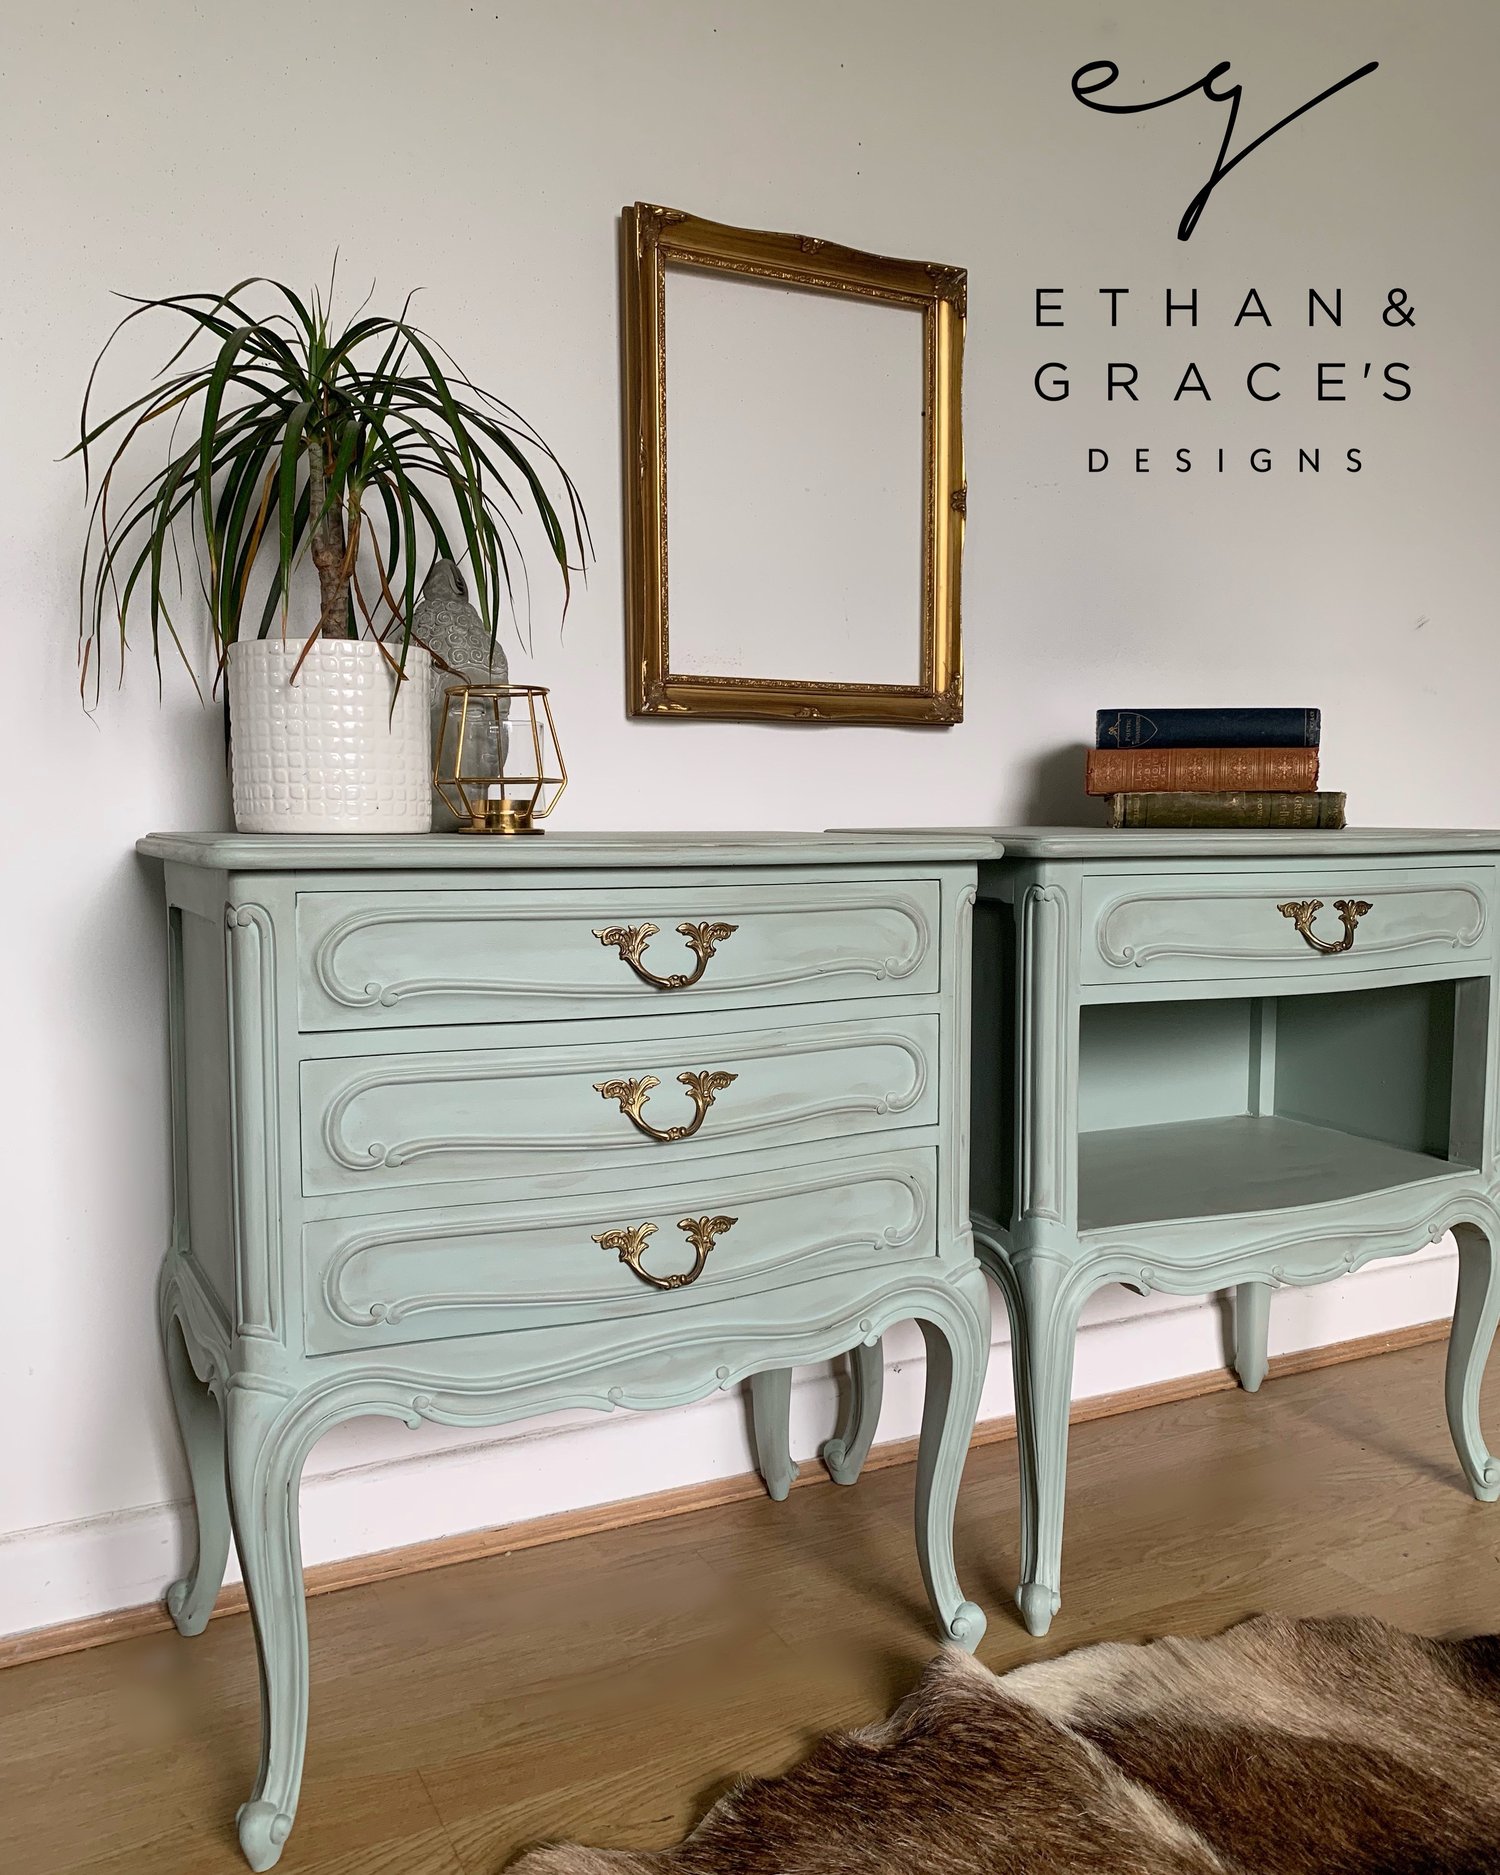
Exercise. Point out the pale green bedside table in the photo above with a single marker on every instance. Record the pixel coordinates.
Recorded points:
(1226, 1059)
(468, 1129)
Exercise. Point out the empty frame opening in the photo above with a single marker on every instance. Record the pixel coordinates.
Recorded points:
(794, 482)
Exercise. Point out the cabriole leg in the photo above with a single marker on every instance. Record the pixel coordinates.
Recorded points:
(771, 1410)
(955, 1373)
(845, 1453)
(190, 1601)
(1475, 1314)
(1252, 1333)
(1044, 1325)
(265, 1466)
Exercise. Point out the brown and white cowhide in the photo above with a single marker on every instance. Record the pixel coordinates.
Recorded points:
(1283, 1747)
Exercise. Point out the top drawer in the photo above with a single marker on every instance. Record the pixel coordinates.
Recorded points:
(368, 960)
(1266, 922)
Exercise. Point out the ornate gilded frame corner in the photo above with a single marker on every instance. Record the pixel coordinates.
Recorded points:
(655, 238)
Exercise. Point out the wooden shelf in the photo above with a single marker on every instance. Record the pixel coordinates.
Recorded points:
(1217, 1168)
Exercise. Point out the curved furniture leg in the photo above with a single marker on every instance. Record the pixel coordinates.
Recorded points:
(190, 1601)
(1044, 1324)
(265, 1468)
(1475, 1314)
(771, 1409)
(955, 1373)
(845, 1453)
(1252, 1333)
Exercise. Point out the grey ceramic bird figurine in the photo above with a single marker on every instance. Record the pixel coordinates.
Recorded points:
(454, 633)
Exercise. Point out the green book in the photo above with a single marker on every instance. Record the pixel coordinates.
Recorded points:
(1242, 808)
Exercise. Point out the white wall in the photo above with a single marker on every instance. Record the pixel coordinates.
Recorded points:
(484, 151)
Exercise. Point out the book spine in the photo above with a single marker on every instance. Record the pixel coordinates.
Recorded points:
(1244, 808)
(1207, 771)
(1202, 729)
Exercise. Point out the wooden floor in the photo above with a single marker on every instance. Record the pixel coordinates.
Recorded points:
(609, 1687)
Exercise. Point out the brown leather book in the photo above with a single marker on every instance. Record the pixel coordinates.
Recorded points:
(1201, 771)
(1258, 808)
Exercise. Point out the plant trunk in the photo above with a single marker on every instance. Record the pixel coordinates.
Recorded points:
(328, 548)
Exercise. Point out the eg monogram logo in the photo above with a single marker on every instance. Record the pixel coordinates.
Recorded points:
(1089, 80)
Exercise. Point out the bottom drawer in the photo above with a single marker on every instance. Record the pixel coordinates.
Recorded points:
(372, 1282)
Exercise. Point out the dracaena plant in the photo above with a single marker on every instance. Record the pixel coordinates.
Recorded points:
(367, 450)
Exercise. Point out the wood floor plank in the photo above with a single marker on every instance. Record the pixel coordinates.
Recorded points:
(608, 1687)
(181, 1848)
(428, 1854)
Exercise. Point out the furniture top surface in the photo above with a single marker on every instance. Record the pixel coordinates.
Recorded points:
(1231, 843)
(562, 852)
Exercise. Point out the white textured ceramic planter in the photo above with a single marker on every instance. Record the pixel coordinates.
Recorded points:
(327, 754)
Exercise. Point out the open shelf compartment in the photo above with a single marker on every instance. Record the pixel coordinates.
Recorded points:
(1241, 1104)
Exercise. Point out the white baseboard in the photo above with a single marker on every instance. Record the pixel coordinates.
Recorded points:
(372, 1486)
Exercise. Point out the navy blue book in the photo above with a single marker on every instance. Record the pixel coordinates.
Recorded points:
(1208, 729)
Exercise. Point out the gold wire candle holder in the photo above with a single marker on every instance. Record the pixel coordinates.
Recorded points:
(499, 766)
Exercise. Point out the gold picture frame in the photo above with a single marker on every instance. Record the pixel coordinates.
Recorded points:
(657, 238)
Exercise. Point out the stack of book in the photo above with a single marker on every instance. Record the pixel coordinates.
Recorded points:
(1211, 768)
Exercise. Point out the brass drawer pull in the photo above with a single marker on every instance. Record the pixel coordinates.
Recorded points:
(1302, 912)
(701, 1233)
(630, 941)
(633, 1095)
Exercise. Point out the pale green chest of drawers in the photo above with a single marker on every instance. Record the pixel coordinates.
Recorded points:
(1209, 1060)
(465, 1132)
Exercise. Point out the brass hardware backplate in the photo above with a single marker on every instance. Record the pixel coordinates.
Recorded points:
(630, 941)
(630, 1242)
(1302, 911)
(702, 1086)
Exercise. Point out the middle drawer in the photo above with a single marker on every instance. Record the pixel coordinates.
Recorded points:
(371, 1122)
